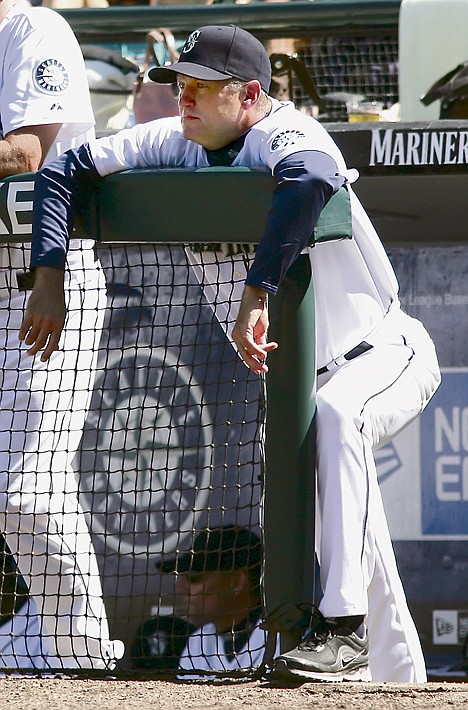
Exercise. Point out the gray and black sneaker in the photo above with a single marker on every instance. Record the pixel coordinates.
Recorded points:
(330, 651)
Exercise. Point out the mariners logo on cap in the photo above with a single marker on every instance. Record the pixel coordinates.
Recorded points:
(286, 138)
(51, 76)
(191, 41)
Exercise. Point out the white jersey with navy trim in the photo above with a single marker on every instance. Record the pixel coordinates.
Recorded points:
(359, 405)
(364, 284)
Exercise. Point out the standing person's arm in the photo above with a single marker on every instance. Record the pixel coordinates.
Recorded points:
(25, 149)
(250, 332)
(305, 182)
(58, 185)
(56, 189)
(44, 99)
(45, 313)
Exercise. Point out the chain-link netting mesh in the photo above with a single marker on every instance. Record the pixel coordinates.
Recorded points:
(338, 66)
(363, 64)
(105, 530)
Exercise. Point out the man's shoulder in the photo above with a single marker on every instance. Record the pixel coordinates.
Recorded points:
(285, 118)
(27, 18)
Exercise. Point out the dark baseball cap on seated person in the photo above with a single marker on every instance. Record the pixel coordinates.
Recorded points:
(225, 548)
(217, 52)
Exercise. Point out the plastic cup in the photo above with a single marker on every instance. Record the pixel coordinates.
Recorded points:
(364, 111)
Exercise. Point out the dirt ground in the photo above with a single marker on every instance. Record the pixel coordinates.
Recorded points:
(68, 694)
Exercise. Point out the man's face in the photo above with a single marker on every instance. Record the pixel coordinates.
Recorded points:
(211, 111)
(209, 596)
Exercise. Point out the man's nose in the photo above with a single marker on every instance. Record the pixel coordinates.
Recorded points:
(186, 97)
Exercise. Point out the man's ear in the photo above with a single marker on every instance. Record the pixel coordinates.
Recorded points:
(252, 91)
(240, 580)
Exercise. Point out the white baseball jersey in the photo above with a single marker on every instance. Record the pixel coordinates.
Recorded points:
(42, 81)
(364, 284)
(42, 76)
(205, 652)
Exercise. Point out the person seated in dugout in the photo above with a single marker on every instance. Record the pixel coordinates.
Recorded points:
(219, 583)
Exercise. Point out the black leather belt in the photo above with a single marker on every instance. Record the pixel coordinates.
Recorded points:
(355, 352)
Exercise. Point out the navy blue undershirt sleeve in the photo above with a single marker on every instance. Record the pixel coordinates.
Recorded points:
(59, 187)
(305, 182)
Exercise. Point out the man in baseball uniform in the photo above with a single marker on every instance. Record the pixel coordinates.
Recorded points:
(219, 581)
(377, 366)
(44, 109)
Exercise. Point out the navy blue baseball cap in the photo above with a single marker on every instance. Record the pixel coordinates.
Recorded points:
(225, 548)
(217, 52)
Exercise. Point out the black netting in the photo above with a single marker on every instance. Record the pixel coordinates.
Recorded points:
(364, 64)
(171, 447)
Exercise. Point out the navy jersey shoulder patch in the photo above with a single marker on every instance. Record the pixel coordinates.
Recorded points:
(286, 138)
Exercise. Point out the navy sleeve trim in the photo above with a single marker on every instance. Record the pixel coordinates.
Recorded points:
(59, 187)
(305, 182)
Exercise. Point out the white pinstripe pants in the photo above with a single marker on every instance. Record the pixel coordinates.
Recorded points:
(42, 412)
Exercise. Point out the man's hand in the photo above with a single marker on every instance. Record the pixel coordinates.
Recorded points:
(45, 313)
(251, 329)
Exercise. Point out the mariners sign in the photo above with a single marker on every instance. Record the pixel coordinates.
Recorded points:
(436, 147)
(422, 147)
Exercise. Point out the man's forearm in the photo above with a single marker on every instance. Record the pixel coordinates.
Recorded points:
(23, 155)
(55, 194)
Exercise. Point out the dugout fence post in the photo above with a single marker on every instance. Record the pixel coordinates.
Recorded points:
(289, 480)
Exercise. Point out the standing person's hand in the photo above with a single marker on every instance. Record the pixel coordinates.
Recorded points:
(45, 313)
(250, 332)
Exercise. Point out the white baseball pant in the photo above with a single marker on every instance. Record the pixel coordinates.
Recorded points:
(43, 410)
(360, 406)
